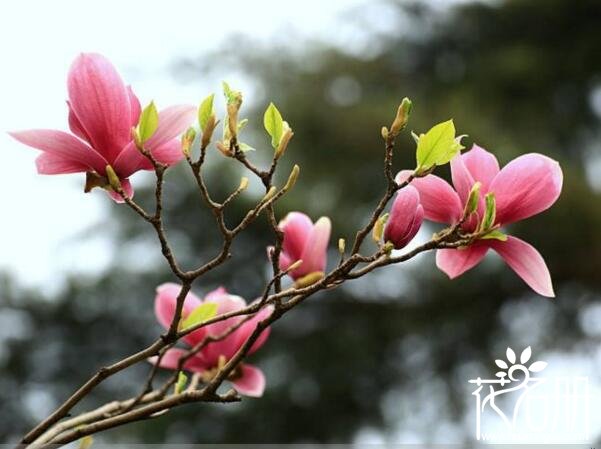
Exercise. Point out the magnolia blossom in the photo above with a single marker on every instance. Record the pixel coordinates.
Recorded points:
(102, 112)
(304, 241)
(525, 187)
(406, 217)
(247, 379)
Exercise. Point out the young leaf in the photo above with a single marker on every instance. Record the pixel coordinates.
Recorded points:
(438, 146)
(149, 121)
(490, 212)
(495, 235)
(244, 147)
(202, 313)
(182, 380)
(205, 111)
(274, 124)
(231, 96)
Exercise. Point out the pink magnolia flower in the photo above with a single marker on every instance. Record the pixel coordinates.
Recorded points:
(248, 379)
(304, 241)
(406, 217)
(102, 112)
(525, 187)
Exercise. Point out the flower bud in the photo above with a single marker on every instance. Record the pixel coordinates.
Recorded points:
(306, 241)
(207, 132)
(114, 181)
(405, 218)
(292, 178)
(341, 245)
(378, 230)
(187, 141)
(402, 117)
(286, 136)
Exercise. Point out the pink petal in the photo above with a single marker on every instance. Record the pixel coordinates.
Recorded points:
(315, 253)
(251, 381)
(173, 121)
(463, 181)
(170, 360)
(216, 295)
(296, 227)
(482, 165)
(101, 102)
(229, 345)
(76, 127)
(244, 332)
(63, 145)
(169, 153)
(526, 186)
(285, 261)
(54, 164)
(164, 308)
(455, 262)
(527, 262)
(440, 202)
(134, 104)
(127, 189)
(130, 160)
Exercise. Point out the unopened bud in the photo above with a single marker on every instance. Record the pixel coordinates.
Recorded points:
(243, 183)
(292, 178)
(341, 245)
(270, 194)
(309, 279)
(402, 116)
(207, 132)
(232, 119)
(378, 230)
(284, 141)
(472, 200)
(114, 181)
(187, 141)
(384, 132)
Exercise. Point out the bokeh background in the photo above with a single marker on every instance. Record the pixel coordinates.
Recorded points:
(383, 359)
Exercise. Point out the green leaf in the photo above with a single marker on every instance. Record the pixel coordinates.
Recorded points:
(274, 124)
(202, 313)
(496, 235)
(231, 96)
(438, 146)
(472, 200)
(242, 124)
(149, 121)
(182, 380)
(205, 111)
(244, 147)
(490, 212)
